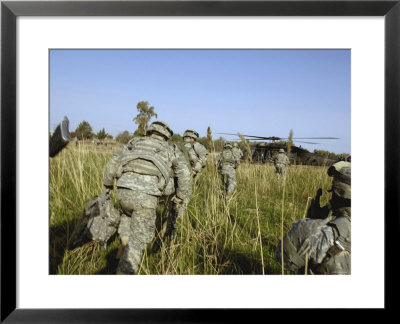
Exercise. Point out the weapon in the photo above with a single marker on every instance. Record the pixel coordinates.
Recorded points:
(60, 138)
(315, 211)
(172, 216)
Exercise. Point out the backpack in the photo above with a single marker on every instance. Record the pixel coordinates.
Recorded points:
(99, 221)
(296, 243)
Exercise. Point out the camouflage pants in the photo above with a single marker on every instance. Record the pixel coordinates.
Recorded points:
(228, 173)
(139, 226)
(280, 170)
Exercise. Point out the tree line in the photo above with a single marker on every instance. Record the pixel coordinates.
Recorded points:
(84, 131)
(145, 114)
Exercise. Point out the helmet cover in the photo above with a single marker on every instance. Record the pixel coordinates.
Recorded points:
(191, 133)
(228, 145)
(160, 127)
(341, 183)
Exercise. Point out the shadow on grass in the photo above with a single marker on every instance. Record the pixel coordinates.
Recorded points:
(58, 244)
(111, 262)
(235, 262)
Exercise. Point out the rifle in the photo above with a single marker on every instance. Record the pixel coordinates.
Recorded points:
(169, 226)
(315, 211)
(172, 216)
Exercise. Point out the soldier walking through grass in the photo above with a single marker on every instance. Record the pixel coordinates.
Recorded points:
(146, 168)
(323, 242)
(197, 152)
(281, 161)
(227, 163)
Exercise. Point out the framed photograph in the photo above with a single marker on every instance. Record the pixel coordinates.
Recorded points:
(103, 60)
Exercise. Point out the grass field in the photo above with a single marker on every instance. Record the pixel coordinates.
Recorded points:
(215, 236)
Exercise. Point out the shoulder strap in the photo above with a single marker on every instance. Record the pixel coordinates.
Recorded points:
(182, 146)
(343, 227)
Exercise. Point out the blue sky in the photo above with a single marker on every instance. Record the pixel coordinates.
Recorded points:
(254, 92)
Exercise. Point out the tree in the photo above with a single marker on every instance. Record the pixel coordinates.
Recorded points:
(219, 144)
(326, 154)
(101, 134)
(143, 117)
(84, 130)
(123, 137)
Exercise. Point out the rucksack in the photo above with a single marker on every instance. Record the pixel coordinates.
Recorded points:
(99, 221)
(296, 243)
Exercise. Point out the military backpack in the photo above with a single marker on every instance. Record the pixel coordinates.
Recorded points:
(99, 221)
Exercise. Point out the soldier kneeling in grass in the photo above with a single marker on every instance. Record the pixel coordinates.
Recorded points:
(147, 168)
(322, 242)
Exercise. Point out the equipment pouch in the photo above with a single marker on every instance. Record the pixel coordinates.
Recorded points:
(169, 188)
(100, 221)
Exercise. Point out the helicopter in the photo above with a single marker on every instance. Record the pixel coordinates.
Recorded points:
(264, 152)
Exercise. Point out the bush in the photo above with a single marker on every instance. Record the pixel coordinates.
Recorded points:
(123, 137)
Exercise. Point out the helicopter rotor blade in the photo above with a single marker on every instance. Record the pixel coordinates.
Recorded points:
(316, 138)
(293, 141)
(306, 142)
(276, 138)
(273, 138)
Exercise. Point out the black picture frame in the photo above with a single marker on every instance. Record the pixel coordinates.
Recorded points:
(10, 10)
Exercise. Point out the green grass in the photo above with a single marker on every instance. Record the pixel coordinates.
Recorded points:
(215, 236)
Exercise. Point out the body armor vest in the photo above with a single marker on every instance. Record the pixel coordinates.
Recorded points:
(228, 157)
(281, 158)
(148, 156)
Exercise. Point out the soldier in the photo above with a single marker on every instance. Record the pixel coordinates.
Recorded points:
(143, 169)
(237, 151)
(280, 162)
(196, 151)
(227, 162)
(325, 240)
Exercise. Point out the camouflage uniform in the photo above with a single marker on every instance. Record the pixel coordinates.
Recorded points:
(281, 161)
(227, 162)
(237, 151)
(145, 169)
(196, 151)
(326, 241)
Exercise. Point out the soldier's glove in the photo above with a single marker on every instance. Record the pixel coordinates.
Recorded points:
(108, 189)
(176, 200)
(197, 167)
(180, 206)
(315, 211)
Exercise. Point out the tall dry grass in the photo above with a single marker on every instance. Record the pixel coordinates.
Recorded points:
(216, 236)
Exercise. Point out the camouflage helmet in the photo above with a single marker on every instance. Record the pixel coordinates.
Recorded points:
(160, 127)
(228, 145)
(281, 151)
(235, 144)
(191, 133)
(341, 183)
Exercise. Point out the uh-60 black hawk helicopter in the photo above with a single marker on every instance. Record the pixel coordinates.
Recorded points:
(263, 152)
